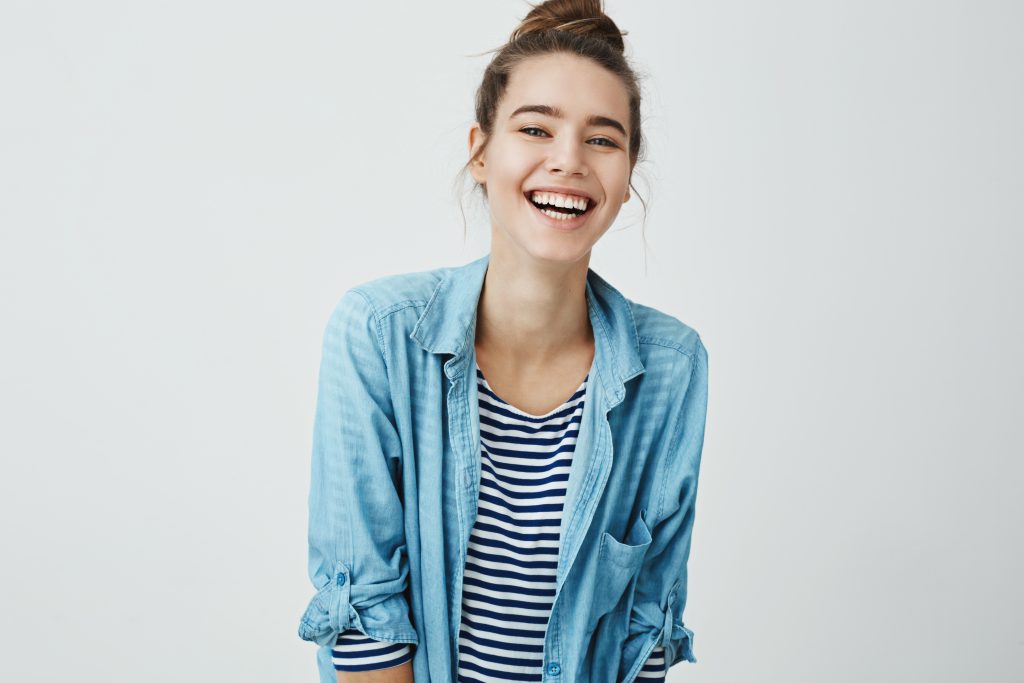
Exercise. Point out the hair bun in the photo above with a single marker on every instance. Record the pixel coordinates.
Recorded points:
(583, 17)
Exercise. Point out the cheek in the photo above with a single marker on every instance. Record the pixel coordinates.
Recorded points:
(512, 162)
(506, 184)
(618, 184)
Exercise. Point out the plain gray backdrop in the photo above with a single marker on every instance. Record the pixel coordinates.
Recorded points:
(836, 205)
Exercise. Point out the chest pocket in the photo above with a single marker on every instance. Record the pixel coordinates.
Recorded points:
(618, 565)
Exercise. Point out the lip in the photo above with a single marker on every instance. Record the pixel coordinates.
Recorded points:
(560, 224)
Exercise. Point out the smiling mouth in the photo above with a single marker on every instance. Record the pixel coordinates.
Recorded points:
(559, 212)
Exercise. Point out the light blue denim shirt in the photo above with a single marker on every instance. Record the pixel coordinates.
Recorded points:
(396, 475)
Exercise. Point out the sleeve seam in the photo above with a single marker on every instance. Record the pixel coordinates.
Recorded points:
(381, 343)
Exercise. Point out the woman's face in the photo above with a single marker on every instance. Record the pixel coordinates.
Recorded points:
(557, 127)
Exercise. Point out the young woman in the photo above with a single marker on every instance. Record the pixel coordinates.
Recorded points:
(506, 452)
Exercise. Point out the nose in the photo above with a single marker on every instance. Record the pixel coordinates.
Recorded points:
(567, 157)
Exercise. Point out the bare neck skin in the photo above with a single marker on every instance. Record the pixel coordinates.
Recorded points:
(532, 317)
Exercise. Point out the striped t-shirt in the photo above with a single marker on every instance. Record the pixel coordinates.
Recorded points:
(509, 583)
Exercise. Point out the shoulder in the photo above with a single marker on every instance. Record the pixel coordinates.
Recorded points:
(660, 333)
(384, 295)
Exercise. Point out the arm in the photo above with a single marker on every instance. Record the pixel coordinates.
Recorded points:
(357, 551)
(664, 568)
(395, 674)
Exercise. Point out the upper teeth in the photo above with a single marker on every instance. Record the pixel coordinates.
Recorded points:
(562, 200)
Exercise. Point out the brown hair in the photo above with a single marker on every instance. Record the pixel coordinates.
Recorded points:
(577, 27)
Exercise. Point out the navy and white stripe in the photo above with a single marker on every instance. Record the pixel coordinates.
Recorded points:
(355, 652)
(509, 582)
(654, 667)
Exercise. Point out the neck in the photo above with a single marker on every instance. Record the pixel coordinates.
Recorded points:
(532, 312)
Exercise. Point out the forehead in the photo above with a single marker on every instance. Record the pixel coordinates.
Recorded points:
(576, 85)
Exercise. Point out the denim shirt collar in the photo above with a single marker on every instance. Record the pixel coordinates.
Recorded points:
(448, 325)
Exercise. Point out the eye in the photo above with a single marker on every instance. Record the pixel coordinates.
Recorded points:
(605, 142)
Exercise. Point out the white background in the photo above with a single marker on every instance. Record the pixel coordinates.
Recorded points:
(837, 200)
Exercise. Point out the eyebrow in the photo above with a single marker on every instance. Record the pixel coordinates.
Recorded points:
(547, 110)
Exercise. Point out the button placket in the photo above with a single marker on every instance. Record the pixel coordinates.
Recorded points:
(340, 609)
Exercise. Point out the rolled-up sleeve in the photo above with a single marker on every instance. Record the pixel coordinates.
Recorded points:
(357, 553)
(660, 596)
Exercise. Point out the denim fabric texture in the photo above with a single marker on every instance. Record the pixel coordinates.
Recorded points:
(396, 473)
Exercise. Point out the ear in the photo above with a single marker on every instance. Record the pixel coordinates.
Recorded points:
(476, 166)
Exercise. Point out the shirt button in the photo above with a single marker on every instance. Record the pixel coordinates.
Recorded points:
(340, 579)
(554, 669)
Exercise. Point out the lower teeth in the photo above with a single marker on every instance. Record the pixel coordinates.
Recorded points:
(559, 214)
